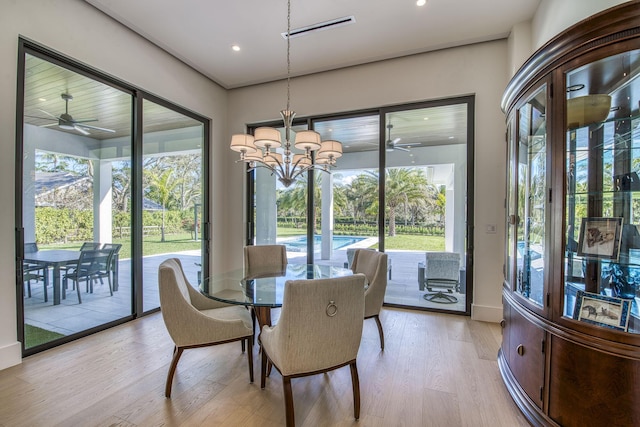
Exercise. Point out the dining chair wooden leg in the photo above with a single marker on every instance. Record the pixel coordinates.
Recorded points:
(263, 369)
(177, 352)
(250, 355)
(377, 318)
(288, 401)
(355, 384)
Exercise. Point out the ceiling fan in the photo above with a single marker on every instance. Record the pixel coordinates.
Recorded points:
(67, 122)
(391, 144)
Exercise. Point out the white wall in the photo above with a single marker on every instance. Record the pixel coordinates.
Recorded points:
(479, 69)
(551, 18)
(554, 16)
(76, 29)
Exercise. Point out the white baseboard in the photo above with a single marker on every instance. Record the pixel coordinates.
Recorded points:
(486, 313)
(10, 355)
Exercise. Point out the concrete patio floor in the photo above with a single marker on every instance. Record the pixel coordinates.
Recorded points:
(99, 307)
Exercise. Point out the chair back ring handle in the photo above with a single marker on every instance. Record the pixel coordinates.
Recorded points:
(332, 309)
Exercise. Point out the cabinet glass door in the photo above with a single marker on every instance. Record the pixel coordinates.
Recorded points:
(531, 192)
(602, 250)
(511, 206)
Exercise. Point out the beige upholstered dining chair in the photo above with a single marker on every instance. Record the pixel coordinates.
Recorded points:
(373, 265)
(193, 320)
(264, 257)
(259, 259)
(319, 330)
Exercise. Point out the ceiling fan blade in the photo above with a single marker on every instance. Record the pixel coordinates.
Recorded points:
(77, 125)
(396, 140)
(48, 125)
(41, 118)
(79, 129)
(84, 120)
(48, 113)
(401, 148)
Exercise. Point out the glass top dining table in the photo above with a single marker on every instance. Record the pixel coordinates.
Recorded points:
(263, 289)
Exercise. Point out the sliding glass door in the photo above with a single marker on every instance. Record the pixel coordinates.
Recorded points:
(425, 199)
(402, 186)
(76, 170)
(172, 176)
(110, 182)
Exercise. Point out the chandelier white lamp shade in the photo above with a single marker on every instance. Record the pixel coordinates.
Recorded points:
(259, 149)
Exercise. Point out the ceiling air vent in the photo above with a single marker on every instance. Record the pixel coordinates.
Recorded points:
(338, 22)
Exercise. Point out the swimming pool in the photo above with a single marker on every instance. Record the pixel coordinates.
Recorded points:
(299, 244)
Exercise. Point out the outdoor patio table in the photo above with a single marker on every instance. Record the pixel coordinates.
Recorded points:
(264, 289)
(55, 258)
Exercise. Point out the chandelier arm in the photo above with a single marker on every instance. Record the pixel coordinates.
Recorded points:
(279, 170)
(302, 170)
(265, 166)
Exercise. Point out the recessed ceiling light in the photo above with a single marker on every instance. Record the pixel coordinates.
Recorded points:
(451, 137)
(421, 2)
(426, 118)
(42, 99)
(235, 48)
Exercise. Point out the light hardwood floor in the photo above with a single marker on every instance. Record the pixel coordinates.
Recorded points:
(436, 370)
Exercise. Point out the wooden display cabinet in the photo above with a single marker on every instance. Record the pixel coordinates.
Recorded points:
(571, 340)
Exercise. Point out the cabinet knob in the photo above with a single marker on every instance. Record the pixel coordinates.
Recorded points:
(520, 350)
(502, 323)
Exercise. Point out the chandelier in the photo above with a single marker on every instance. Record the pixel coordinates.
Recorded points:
(259, 149)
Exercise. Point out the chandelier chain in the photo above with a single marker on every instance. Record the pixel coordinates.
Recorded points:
(288, 54)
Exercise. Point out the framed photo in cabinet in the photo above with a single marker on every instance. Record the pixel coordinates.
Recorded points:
(602, 310)
(600, 238)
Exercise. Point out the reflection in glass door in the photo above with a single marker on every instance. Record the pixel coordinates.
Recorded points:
(76, 171)
(172, 176)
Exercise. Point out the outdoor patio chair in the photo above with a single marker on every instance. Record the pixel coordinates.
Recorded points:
(194, 320)
(86, 246)
(319, 330)
(92, 265)
(34, 271)
(112, 265)
(373, 265)
(440, 270)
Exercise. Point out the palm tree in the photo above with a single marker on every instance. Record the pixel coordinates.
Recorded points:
(162, 187)
(403, 186)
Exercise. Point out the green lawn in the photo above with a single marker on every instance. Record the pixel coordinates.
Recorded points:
(291, 231)
(34, 336)
(413, 243)
(398, 242)
(183, 242)
(151, 245)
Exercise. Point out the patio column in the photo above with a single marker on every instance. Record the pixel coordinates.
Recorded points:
(266, 209)
(456, 210)
(326, 251)
(102, 201)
